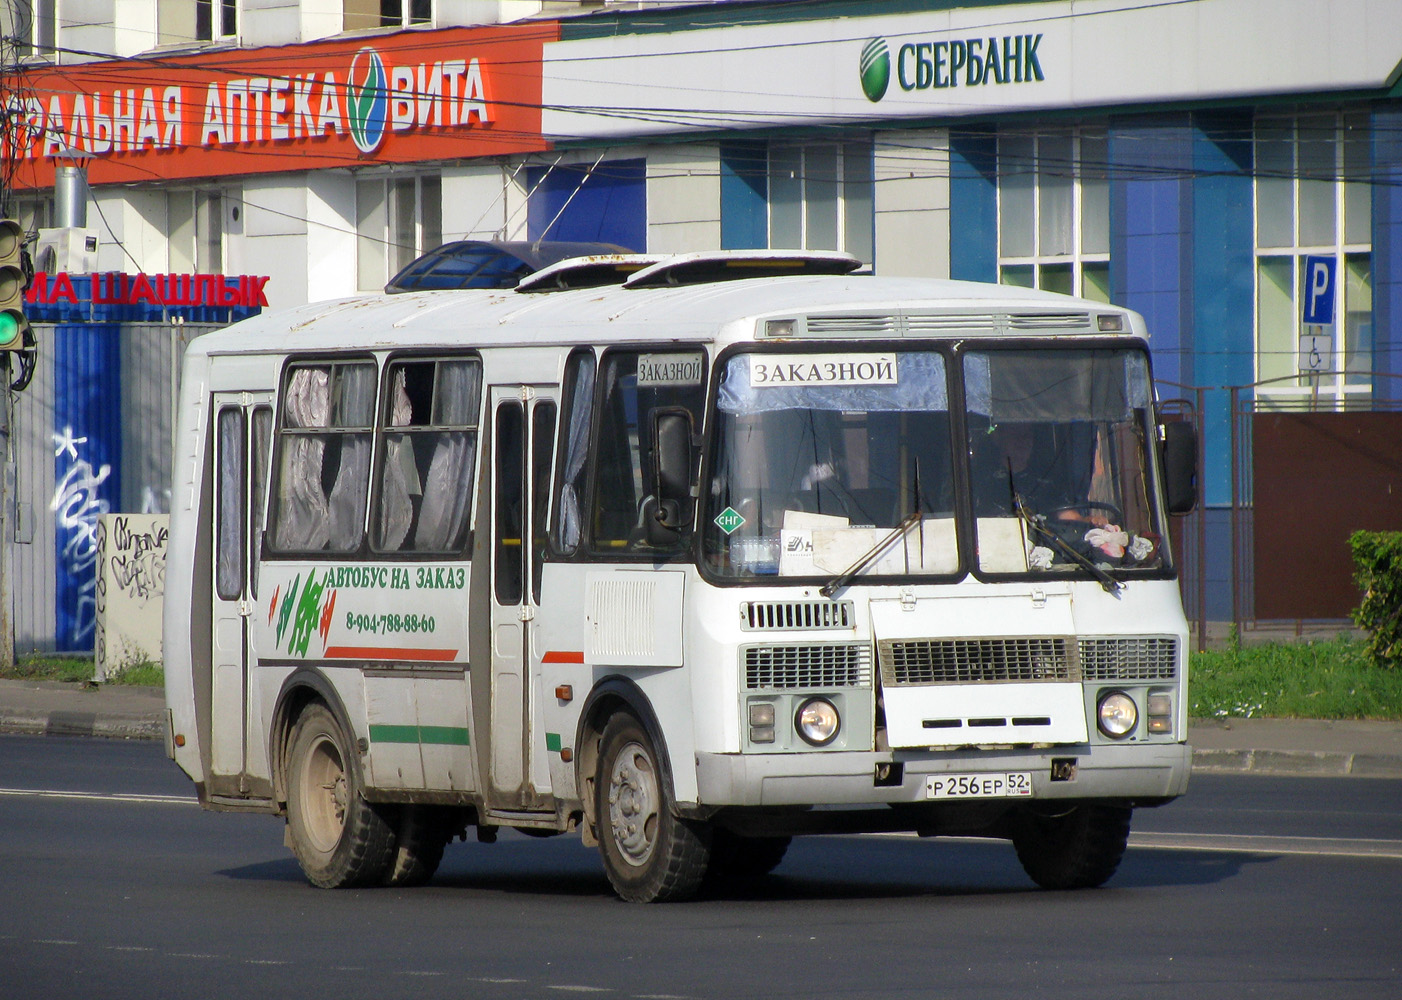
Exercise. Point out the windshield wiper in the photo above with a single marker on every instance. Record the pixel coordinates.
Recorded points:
(869, 556)
(1108, 582)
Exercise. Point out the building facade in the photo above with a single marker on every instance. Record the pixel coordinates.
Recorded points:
(1192, 160)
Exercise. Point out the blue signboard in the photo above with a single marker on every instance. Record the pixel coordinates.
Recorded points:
(1319, 291)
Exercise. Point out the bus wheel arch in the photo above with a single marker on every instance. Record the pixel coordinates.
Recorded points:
(301, 688)
(609, 697)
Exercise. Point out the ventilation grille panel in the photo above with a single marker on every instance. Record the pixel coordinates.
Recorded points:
(790, 616)
(796, 668)
(977, 661)
(1152, 658)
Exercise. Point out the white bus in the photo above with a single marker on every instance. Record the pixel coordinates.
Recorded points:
(690, 555)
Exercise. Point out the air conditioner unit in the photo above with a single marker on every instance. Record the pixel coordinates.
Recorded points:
(68, 250)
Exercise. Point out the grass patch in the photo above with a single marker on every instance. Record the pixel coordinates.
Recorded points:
(78, 668)
(1304, 680)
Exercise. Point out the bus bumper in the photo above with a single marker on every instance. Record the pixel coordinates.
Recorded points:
(1139, 772)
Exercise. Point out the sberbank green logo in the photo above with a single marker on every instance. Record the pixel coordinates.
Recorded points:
(367, 100)
(876, 69)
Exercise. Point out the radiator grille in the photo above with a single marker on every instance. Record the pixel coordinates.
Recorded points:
(976, 661)
(781, 616)
(1141, 659)
(832, 665)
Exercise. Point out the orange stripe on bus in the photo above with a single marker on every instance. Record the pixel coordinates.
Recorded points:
(562, 656)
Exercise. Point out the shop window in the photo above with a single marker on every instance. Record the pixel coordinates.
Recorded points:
(595, 202)
(195, 231)
(322, 469)
(1054, 212)
(359, 14)
(1313, 199)
(397, 219)
(184, 21)
(428, 453)
(821, 197)
(634, 386)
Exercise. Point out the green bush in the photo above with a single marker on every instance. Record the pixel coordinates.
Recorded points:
(1377, 557)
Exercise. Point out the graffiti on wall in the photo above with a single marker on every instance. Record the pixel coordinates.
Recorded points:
(77, 506)
(130, 590)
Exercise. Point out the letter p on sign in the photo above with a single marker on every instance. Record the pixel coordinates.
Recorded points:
(1319, 291)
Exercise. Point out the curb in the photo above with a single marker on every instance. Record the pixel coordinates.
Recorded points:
(84, 724)
(1309, 763)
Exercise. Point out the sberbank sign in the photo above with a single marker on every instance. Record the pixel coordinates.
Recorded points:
(944, 65)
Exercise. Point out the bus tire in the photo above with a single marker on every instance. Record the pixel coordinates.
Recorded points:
(339, 839)
(421, 834)
(650, 854)
(1079, 849)
(734, 856)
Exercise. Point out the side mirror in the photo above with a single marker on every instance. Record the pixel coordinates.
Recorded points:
(1180, 466)
(672, 461)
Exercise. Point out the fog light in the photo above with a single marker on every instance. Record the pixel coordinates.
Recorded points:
(1117, 715)
(1160, 705)
(817, 721)
(761, 715)
(761, 734)
(1160, 725)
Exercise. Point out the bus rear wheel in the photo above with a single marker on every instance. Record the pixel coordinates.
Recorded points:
(339, 839)
(421, 834)
(1078, 849)
(649, 854)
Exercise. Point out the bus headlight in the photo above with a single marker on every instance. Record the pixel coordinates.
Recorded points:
(817, 721)
(1117, 714)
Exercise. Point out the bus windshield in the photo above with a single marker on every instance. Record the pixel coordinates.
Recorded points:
(842, 464)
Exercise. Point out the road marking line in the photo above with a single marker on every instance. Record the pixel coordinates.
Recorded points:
(49, 793)
(1252, 844)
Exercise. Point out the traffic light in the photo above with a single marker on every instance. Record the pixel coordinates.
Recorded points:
(13, 325)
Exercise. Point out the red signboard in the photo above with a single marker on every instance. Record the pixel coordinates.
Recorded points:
(394, 98)
(116, 288)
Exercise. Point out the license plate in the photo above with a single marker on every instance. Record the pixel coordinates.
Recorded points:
(978, 786)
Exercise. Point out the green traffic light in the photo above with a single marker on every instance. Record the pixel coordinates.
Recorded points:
(10, 329)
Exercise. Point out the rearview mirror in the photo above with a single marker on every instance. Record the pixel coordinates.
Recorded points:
(671, 463)
(1180, 466)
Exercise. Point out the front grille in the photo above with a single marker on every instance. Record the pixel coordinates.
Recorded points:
(976, 661)
(781, 616)
(1152, 658)
(832, 665)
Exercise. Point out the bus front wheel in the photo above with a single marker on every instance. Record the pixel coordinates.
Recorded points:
(1077, 849)
(649, 854)
(339, 839)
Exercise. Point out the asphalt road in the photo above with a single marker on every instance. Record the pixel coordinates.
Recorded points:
(115, 885)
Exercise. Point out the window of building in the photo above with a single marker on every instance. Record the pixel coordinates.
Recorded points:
(1313, 199)
(397, 218)
(821, 197)
(195, 229)
(32, 25)
(180, 22)
(1054, 211)
(322, 472)
(32, 212)
(358, 14)
(428, 452)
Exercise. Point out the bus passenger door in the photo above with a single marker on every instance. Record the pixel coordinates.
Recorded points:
(243, 424)
(523, 435)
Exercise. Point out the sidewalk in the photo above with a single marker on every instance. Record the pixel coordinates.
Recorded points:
(1255, 746)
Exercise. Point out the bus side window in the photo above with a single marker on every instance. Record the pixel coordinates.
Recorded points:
(428, 451)
(634, 385)
(323, 466)
(579, 400)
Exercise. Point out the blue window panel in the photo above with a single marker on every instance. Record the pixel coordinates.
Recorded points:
(609, 203)
(744, 196)
(973, 206)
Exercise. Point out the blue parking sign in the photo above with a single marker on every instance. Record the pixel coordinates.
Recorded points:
(1319, 291)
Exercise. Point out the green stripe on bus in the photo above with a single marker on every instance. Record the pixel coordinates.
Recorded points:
(446, 735)
(552, 742)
